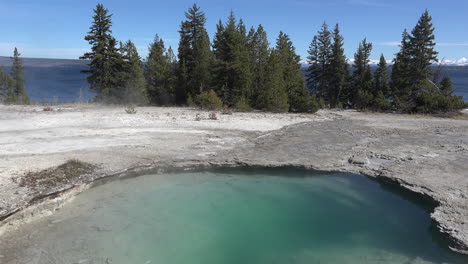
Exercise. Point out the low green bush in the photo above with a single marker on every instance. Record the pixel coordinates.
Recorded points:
(242, 105)
(209, 100)
(437, 103)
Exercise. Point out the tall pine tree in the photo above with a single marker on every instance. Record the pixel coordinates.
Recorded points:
(381, 79)
(421, 50)
(299, 99)
(104, 61)
(339, 70)
(382, 93)
(259, 47)
(400, 76)
(157, 73)
(320, 55)
(233, 73)
(195, 55)
(134, 85)
(17, 73)
(275, 97)
(361, 88)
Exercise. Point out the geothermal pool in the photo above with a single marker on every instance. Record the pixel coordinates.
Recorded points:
(234, 216)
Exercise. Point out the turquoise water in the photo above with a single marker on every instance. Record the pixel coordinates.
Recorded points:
(240, 216)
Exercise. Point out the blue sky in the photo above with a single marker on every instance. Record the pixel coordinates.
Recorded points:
(56, 28)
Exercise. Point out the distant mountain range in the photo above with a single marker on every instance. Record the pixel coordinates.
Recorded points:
(460, 62)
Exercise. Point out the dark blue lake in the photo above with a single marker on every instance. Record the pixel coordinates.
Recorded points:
(62, 80)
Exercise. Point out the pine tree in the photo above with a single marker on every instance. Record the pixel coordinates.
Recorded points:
(361, 89)
(172, 79)
(134, 84)
(339, 70)
(233, 74)
(194, 53)
(382, 92)
(412, 73)
(241, 66)
(116, 75)
(258, 43)
(400, 78)
(446, 86)
(157, 73)
(275, 97)
(422, 53)
(104, 68)
(381, 79)
(17, 73)
(299, 99)
(219, 72)
(320, 54)
(7, 84)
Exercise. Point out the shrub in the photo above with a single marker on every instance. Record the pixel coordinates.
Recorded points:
(190, 101)
(314, 106)
(209, 100)
(242, 105)
(437, 103)
(321, 103)
(213, 116)
(226, 110)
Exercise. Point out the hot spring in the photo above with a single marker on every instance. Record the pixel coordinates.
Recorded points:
(234, 216)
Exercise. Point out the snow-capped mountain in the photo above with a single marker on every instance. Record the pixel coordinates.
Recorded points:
(460, 62)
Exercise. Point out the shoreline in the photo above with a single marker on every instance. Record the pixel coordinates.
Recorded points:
(350, 142)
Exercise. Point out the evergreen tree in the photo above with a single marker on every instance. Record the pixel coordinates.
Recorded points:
(320, 55)
(421, 50)
(194, 54)
(299, 99)
(412, 73)
(258, 43)
(400, 77)
(233, 75)
(17, 73)
(220, 50)
(134, 85)
(382, 92)
(446, 86)
(361, 89)
(105, 64)
(381, 79)
(275, 97)
(158, 72)
(172, 79)
(339, 70)
(7, 86)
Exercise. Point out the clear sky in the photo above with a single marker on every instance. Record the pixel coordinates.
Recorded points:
(56, 28)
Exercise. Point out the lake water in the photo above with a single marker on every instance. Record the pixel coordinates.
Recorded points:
(59, 80)
(237, 216)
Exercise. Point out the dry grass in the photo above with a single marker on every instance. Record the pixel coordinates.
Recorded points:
(68, 172)
(48, 109)
(452, 115)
